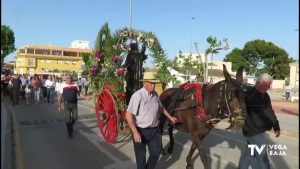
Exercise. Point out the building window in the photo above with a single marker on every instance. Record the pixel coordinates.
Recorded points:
(21, 51)
(72, 54)
(48, 61)
(59, 62)
(42, 52)
(57, 53)
(68, 62)
(30, 51)
(31, 62)
(19, 61)
(74, 63)
(42, 61)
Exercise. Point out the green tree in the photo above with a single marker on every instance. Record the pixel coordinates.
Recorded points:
(7, 42)
(237, 60)
(258, 53)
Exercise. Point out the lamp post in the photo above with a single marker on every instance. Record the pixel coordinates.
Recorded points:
(130, 14)
(191, 53)
(192, 18)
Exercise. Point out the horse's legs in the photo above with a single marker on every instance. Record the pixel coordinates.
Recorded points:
(170, 130)
(189, 164)
(202, 153)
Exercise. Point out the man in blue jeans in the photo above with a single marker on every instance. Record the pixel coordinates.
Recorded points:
(146, 107)
(260, 118)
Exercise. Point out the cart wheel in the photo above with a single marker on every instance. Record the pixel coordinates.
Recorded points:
(106, 112)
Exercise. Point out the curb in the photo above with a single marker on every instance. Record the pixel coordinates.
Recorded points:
(19, 161)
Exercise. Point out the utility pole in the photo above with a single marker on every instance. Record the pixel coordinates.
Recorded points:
(130, 14)
(191, 52)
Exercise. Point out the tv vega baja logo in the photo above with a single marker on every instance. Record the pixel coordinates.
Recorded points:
(271, 149)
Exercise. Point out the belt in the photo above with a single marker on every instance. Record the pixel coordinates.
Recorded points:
(148, 127)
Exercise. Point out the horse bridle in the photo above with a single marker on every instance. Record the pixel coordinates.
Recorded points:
(225, 98)
(233, 118)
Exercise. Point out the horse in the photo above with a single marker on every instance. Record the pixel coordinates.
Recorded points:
(225, 99)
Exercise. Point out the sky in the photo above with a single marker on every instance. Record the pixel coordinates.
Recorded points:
(59, 22)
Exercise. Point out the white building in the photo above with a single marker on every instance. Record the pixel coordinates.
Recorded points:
(194, 58)
(215, 69)
(218, 65)
(81, 44)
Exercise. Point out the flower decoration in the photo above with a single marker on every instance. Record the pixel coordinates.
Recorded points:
(98, 55)
(93, 70)
(122, 95)
(105, 66)
(120, 72)
(116, 59)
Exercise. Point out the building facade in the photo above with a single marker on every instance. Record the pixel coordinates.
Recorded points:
(216, 65)
(294, 75)
(40, 59)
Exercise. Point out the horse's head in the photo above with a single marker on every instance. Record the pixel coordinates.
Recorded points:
(233, 97)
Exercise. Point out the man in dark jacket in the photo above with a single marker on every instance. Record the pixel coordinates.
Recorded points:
(260, 118)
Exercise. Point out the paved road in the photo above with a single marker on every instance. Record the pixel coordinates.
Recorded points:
(44, 142)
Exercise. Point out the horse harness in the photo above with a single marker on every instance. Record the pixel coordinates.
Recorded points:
(196, 90)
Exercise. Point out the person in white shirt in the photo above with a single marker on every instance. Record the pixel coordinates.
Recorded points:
(287, 91)
(85, 85)
(79, 85)
(143, 117)
(58, 85)
(50, 85)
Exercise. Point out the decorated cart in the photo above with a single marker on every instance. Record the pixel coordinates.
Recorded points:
(115, 70)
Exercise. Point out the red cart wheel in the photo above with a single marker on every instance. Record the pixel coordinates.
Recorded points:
(106, 112)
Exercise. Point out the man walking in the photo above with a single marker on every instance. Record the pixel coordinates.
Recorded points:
(146, 107)
(260, 118)
(287, 90)
(68, 96)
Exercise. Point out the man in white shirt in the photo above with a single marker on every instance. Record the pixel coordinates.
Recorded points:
(146, 107)
(50, 85)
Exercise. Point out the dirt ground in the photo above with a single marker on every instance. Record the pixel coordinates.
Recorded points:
(283, 106)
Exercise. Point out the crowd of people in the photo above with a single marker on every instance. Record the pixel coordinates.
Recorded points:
(35, 88)
(260, 115)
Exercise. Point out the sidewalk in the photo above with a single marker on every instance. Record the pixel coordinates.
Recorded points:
(6, 138)
(280, 105)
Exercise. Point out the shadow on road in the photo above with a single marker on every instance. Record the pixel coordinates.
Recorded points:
(45, 143)
(229, 140)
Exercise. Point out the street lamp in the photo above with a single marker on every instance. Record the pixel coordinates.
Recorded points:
(130, 14)
(191, 53)
(192, 18)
